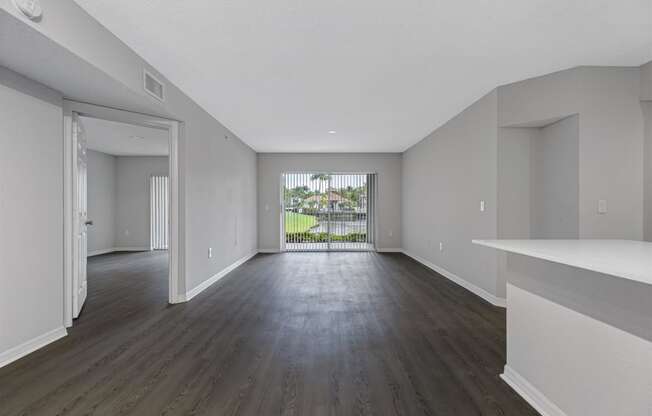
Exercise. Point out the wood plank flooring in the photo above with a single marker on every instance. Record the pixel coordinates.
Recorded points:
(284, 334)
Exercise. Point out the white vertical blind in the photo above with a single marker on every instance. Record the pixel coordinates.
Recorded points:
(328, 211)
(159, 217)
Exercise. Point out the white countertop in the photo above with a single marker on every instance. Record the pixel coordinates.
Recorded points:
(621, 258)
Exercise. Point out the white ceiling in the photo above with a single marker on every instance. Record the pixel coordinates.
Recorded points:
(382, 73)
(122, 139)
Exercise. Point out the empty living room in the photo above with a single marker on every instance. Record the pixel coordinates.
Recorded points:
(333, 208)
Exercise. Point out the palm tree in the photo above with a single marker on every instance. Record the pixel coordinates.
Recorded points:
(320, 177)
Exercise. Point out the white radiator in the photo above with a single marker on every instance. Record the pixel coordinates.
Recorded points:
(159, 214)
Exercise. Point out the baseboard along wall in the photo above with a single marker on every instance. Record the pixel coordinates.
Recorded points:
(207, 283)
(530, 394)
(9, 356)
(116, 249)
(477, 290)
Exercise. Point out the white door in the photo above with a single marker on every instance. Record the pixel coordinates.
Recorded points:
(80, 218)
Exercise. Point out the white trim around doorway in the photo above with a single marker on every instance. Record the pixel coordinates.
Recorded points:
(175, 130)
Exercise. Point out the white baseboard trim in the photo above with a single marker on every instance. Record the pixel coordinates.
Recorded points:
(100, 252)
(269, 250)
(132, 248)
(114, 249)
(205, 284)
(530, 393)
(389, 250)
(32, 345)
(494, 300)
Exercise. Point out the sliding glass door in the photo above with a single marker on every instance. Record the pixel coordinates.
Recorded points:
(328, 211)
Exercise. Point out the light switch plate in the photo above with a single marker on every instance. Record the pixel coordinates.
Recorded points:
(210, 252)
(482, 206)
(602, 206)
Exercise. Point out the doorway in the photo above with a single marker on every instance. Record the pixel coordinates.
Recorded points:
(328, 211)
(77, 221)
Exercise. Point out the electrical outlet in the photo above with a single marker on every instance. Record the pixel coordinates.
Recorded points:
(602, 206)
(210, 252)
(441, 246)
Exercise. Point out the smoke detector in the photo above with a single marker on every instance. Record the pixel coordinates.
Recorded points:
(30, 8)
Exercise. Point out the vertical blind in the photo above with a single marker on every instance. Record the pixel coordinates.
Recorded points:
(328, 211)
(159, 217)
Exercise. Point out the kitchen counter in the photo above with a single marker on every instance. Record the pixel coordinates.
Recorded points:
(579, 325)
(627, 259)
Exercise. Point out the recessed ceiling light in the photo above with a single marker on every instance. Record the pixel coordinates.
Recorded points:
(332, 132)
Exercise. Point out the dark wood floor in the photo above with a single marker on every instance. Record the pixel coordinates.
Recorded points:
(287, 334)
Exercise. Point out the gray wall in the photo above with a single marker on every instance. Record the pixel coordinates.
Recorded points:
(538, 180)
(387, 166)
(514, 154)
(610, 139)
(445, 176)
(487, 152)
(31, 211)
(646, 82)
(218, 171)
(118, 199)
(101, 201)
(132, 198)
(554, 190)
(220, 200)
(646, 104)
(647, 110)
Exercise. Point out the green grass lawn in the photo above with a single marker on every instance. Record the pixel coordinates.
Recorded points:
(298, 223)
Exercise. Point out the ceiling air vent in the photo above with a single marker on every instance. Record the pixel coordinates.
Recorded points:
(153, 86)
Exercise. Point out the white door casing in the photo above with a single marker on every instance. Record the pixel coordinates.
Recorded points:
(72, 110)
(80, 217)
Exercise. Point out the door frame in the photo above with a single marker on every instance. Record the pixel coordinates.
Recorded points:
(175, 131)
(282, 242)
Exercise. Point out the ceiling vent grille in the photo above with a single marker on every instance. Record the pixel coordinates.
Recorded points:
(153, 86)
